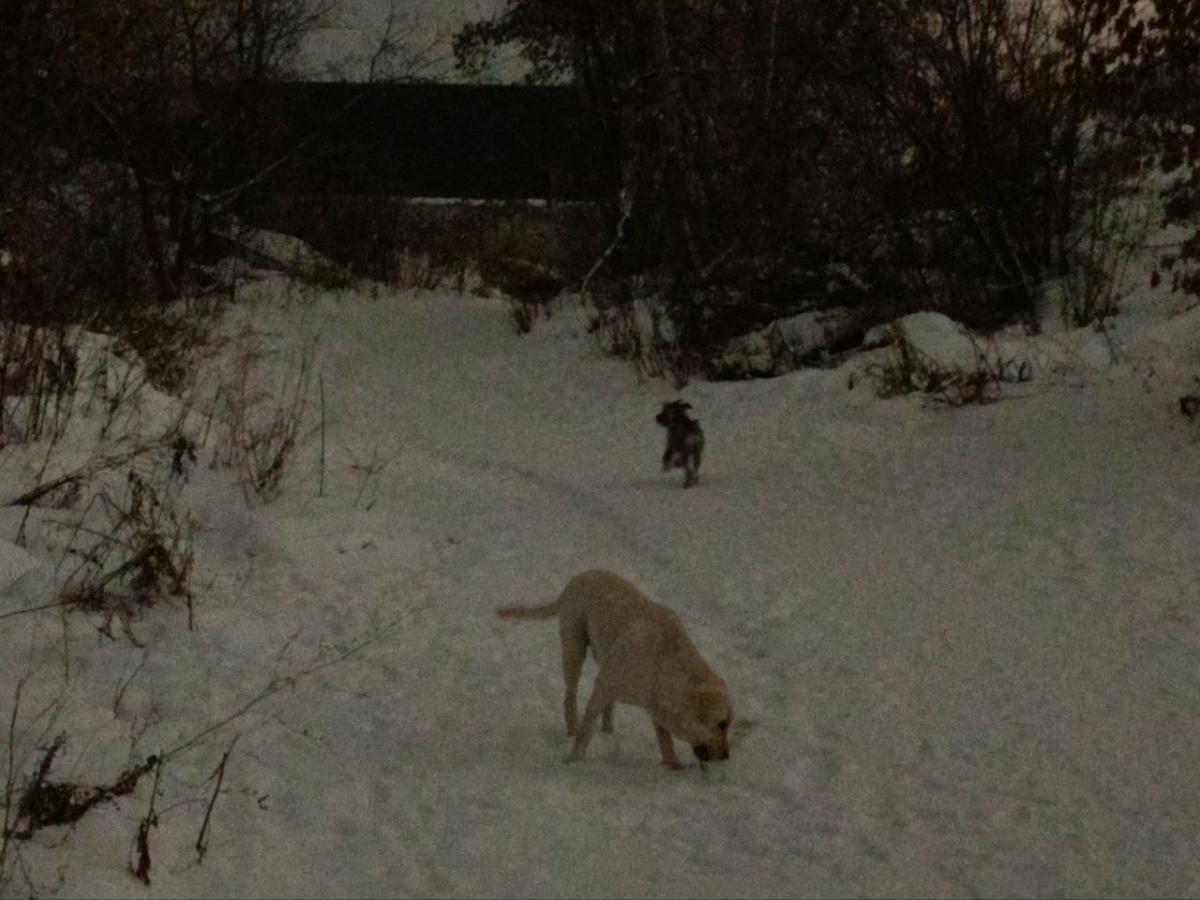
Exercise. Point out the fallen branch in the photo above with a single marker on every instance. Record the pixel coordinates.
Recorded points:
(10, 787)
(274, 686)
(201, 846)
(321, 483)
(124, 684)
(107, 462)
(143, 833)
(45, 802)
(144, 826)
(32, 496)
(30, 609)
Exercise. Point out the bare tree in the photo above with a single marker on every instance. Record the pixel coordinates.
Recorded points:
(168, 92)
(405, 50)
(885, 154)
(722, 122)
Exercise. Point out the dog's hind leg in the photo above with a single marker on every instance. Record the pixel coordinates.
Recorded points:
(574, 649)
(606, 719)
(692, 467)
(604, 694)
(572, 667)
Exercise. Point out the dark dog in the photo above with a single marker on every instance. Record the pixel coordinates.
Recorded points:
(685, 440)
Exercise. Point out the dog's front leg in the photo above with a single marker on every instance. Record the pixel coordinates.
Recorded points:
(603, 696)
(667, 747)
(690, 473)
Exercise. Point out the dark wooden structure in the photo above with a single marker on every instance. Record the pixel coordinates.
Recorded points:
(430, 140)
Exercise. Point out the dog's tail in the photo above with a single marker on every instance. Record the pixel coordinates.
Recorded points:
(548, 611)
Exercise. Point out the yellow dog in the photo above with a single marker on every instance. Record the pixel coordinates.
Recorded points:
(645, 659)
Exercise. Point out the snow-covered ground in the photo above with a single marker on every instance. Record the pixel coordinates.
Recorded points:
(963, 644)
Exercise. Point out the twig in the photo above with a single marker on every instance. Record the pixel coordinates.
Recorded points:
(201, 847)
(370, 470)
(45, 803)
(414, 59)
(30, 609)
(321, 480)
(274, 686)
(29, 508)
(143, 833)
(32, 496)
(626, 203)
(771, 60)
(9, 778)
(106, 462)
(387, 42)
(123, 686)
(79, 528)
(191, 606)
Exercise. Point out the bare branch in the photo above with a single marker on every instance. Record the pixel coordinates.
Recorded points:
(274, 686)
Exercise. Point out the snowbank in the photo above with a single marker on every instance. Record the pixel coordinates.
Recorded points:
(787, 344)
(963, 644)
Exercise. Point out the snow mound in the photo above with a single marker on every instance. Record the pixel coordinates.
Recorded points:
(786, 344)
(939, 339)
(251, 252)
(286, 249)
(937, 343)
(1174, 340)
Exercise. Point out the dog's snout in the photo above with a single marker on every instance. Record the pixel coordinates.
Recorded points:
(705, 753)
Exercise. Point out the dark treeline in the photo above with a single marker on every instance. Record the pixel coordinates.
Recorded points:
(964, 155)
(761, 157)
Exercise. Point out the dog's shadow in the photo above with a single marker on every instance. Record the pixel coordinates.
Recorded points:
(666, 484)
(618, 751)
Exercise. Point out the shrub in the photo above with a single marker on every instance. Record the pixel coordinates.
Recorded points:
(955, 155)
(912, 371)
(134, 548)
(258, 431)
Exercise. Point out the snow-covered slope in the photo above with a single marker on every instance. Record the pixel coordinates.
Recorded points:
(964, 644)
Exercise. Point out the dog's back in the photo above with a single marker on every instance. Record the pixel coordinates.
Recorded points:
(606, 606)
